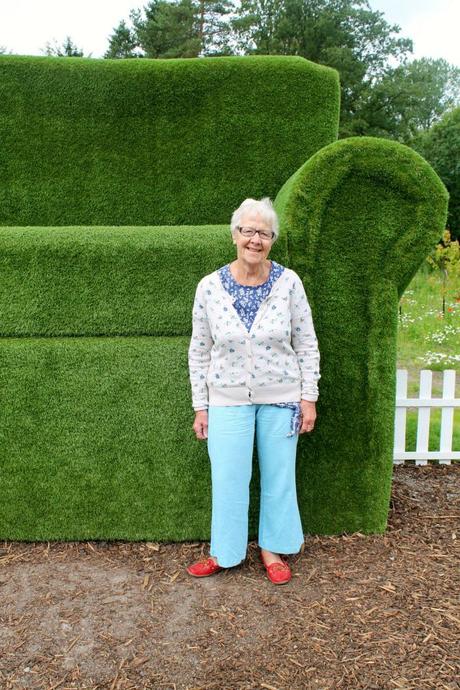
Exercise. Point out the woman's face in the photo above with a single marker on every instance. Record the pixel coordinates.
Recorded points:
(253, 250)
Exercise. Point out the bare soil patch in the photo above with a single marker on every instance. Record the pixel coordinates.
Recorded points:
(362, 612)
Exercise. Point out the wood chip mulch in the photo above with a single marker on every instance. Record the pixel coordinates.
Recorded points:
(362, 612)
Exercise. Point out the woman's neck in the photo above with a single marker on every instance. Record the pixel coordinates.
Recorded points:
(245, 274)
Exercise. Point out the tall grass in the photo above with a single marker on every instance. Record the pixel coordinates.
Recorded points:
(429, 338)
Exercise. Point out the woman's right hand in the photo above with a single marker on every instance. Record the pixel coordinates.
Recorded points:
(200, 425)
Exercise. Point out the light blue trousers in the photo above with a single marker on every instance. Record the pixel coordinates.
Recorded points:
(231, 432)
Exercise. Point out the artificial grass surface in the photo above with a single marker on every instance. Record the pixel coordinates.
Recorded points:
(362, 215)
(95, 433)
(106, 280)
(153, 142)
(96, 440)
(96, 443)
(96, 437)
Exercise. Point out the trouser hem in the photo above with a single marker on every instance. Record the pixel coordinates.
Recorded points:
(226, 564)
(284, 550)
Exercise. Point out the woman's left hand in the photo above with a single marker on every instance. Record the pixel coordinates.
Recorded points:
(308, 410)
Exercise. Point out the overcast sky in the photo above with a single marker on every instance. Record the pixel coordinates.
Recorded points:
(27, 25)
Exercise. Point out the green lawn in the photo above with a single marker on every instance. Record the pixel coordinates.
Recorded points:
(429, 338)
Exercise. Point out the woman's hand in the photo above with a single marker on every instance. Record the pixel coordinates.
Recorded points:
(308, 410)
(200, 425)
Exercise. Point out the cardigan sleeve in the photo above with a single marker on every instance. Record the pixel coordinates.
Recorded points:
(304, 341)
(199, 353)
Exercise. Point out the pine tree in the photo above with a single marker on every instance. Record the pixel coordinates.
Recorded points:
(122, 43)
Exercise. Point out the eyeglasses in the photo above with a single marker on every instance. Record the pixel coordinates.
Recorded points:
(246, 231)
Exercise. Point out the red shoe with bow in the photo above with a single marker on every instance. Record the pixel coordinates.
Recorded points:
(204, 567)
(278, 573)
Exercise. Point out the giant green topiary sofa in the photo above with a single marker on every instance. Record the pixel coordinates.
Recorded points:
(117, 182)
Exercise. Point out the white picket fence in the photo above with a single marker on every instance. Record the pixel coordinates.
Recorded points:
(425, 403)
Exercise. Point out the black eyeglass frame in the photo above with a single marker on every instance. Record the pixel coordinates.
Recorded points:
(254, 231)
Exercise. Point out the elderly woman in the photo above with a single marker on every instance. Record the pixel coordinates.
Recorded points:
(254, 368)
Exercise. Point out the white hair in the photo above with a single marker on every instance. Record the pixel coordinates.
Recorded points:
(264, 208)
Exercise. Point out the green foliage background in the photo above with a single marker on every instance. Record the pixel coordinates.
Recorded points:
(441, 147)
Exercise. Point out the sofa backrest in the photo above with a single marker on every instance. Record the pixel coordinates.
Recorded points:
(153, 142)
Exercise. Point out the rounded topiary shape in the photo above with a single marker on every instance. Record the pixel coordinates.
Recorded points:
(360, 216)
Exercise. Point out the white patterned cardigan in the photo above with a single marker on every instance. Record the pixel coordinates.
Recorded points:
(247, 300)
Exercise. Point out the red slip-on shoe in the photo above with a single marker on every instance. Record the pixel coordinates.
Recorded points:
(203, 568)
(278, 573)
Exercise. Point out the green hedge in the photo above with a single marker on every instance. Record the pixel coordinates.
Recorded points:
(153, 142)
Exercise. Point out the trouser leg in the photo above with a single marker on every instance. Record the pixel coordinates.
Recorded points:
(280, 527)
(230, 448)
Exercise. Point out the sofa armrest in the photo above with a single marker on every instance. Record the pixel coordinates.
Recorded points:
(358, 218)
(397, 175)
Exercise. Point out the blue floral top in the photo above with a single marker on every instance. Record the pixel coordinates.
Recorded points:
(247, 300)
